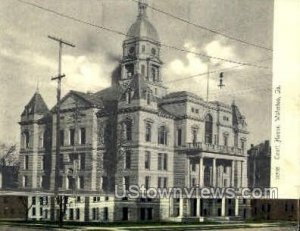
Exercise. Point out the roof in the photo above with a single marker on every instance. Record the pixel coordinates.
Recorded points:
(142, 28)
(182, 94)
(107, 94)
(36, 105)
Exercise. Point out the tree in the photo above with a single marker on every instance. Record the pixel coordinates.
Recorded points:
(24, 202)
(9, 163)
(8, 155)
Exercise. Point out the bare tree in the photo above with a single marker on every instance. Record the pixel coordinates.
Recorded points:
(24, 202)
(8, 155)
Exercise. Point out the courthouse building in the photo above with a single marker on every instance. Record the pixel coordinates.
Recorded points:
(135, 133)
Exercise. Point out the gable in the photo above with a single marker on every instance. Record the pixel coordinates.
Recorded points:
(72, 101)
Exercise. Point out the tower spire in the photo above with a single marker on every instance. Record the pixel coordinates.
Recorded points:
(38, 85)
(143, 8)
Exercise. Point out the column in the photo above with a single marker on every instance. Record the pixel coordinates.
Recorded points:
(201, 172)
(242, 173)
(232, 173)
(188, 207)
(198, 209)
(238, 175)
(214, 170)
(223, 207)
(188, 173)
(181, 207)
(236, 207)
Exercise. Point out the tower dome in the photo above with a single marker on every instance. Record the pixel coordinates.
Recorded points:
(142, 28)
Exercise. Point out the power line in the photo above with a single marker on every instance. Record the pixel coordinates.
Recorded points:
(124, 34)
(211, 72)
(206, 28)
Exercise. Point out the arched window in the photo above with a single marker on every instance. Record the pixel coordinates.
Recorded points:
(148, 132)
(163, 135)
(208, 129)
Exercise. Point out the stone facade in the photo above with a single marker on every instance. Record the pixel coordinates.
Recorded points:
(136, 133)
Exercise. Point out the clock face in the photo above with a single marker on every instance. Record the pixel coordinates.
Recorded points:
(153, 51)
(131, 50)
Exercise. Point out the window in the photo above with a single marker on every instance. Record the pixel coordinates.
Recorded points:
(162, 182)
(148, 132)
(225, 118)
(77, 214)
(41, 212)
(147, 160)
(26, 162)
(226, 140)
(127, 130)
(41, 141)
(193, 167)
(243, 144)
(61, 137)
(197, 111)
(125, 214)
(81, 182)
(44, 139)
(94, 214)
(105, 213)
(33, 211)
(179, 136)
(194, 135)
(193, 182)
(193, 109)
(72, 136)
(208, 129)
(43, 164)
(71, 214)
(33, 201)
(26, 139)
(143, 48)
(153, 51)
(148, 97)
(126, 182)
(81, 161)
(127, 161)
(162, 161)
(60, 181)
(162, 135)
(82, 136)
(143, 70)
(153, 74)
(25, 181)
(147, 182)
(129, 96)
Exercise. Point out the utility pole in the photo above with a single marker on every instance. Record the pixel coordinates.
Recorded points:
(58, 78)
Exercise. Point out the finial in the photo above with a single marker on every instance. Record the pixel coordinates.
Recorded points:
(142, 8)
(37, 85)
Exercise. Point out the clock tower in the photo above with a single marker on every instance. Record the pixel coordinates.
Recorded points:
(141, 54)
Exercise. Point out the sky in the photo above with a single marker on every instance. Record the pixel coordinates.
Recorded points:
(28, 58)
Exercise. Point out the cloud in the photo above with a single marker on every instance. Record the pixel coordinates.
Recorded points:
(84, 74)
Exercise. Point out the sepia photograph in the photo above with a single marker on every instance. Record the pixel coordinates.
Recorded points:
(149, 115)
